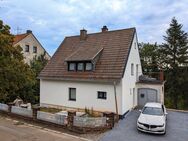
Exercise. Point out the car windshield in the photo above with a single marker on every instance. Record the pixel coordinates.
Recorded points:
(153, 111)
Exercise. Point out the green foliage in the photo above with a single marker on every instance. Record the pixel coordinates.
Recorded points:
(149, 57)
(37, 64)
(175, 51)
(16, 77)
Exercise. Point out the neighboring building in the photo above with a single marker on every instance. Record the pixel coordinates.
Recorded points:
(30, 45)
(98, 70)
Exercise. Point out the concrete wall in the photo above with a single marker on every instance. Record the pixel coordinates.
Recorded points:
(31, 41)
(129, 97)
(57, 93)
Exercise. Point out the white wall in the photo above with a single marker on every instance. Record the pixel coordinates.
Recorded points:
(129, 81)
(57, 93)
(31, 41)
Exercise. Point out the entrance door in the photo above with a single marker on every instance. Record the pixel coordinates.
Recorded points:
(146, 95)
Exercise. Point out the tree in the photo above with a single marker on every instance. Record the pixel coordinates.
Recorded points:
(149, 58)
(175, 51)
(37, 64)
(16, 77)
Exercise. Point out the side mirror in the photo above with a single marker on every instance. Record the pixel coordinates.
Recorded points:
(140, 111)
(166, 113)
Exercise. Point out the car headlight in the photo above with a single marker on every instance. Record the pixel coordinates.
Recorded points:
(140, 123)
(161, 125)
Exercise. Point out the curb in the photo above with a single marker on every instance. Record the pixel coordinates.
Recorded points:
(175, 110)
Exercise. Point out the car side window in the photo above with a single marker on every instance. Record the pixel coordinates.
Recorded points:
(163, 109)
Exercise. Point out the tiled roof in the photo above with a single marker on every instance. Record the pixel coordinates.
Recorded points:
(115, 47)
(85, 53)
(19, 37)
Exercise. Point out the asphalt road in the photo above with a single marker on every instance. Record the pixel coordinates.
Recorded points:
(177, 129)
(15, 131)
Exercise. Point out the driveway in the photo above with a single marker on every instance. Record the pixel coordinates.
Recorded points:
(11, 130)
(125, 130)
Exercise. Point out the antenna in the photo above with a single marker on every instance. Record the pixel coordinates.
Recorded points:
(18, 30)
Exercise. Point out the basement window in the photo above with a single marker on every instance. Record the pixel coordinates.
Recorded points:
(102, 95)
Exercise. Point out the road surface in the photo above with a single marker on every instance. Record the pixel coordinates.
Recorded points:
(11, 130)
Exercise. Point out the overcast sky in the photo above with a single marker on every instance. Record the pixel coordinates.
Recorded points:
(52, 20)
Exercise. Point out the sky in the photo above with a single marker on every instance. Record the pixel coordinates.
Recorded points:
(52, 20)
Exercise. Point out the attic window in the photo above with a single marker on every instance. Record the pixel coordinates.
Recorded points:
(88, 66)
(80, 66)
(72, 66)
(26, 48)
(34, 49)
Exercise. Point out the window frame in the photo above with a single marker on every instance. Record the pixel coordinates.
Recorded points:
(26, 48)
(132, 69)
(104, 95)
(74, 66)
(86, 66)
(83, 67)
(34, 49)
(70, 98)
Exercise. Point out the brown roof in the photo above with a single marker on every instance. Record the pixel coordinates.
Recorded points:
(19, 37)
(115, 46)
(85, 53)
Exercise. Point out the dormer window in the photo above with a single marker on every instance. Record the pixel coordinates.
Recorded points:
(72, 66)
(80, 66)
(88, 66)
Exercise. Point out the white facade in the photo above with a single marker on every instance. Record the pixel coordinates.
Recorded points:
(129, 94)
(32, 42)
(54, 92)
(57, 93)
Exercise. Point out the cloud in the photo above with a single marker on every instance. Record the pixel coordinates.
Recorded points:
(52, 20)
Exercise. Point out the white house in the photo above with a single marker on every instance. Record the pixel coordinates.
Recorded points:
(97, 70)
(31, 47)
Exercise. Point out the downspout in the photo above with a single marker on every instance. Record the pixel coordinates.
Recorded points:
(115, 95)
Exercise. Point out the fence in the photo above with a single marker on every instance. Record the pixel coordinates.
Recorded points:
(22, 111)
(54, 118)
(89, 121)
(4, 107)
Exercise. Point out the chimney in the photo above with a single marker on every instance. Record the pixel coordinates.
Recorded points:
(161, 77)
(29, 31)
(83, 34)
(104, 28)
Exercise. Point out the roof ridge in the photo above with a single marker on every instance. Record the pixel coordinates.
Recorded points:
(104, 32)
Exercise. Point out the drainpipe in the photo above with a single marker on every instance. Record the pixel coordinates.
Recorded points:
(115, 97)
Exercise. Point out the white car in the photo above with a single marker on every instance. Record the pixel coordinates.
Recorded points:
(152, 118)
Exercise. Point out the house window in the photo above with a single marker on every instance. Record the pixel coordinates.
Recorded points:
(135, 45)
(26, 48)
(88, 66)
(72, 66)
(80, 66)
(102, 95)
(34, 49)
(132, 69)
(72, 94)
